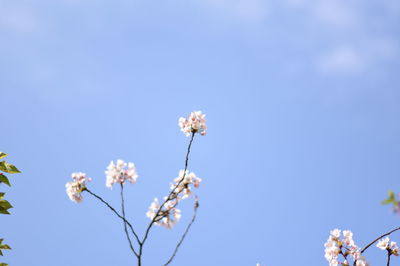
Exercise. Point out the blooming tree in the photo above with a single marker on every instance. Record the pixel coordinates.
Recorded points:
(161, 213)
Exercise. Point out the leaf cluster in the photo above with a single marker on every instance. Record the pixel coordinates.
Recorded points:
(391, 199)
(4, 204)
(3, 246)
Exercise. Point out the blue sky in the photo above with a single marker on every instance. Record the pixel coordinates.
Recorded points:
(302, 101)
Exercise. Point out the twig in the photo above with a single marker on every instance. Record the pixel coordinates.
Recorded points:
(388, 233)
(376, 239)
(123, 215)
(166, 200)
(196, 205)
(113, 210)
(388, 260)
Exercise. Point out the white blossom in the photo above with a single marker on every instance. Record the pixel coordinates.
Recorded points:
(196, 122)
(348, 238)
(171, 218)
(383, 243)
(334, 245)
(75, 187)
(335, 233)
(394, 248)
(184, 185)
(361, 261)
(332, 251)
(154, 206)
(120, 172)
(168, 216)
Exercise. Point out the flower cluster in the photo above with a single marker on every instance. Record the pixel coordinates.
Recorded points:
(196, 122)
(336, 246)
(183, 182)
(168, 215)
(119, 172)
(75, 187)
(392, 247)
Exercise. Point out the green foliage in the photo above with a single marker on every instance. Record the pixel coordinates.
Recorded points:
(4, 179)
(8, 168)
(391, 199)
(3, 246)
(4, 204)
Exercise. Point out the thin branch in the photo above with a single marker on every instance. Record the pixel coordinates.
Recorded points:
(123, 215)
(114, 211)
(196, 205)
(170, 197)
(388, 260)
(388, 233)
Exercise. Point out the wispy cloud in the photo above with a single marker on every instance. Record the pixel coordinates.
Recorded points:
(355, 35)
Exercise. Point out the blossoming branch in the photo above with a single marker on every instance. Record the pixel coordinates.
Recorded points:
(339, 250)
(164, 214)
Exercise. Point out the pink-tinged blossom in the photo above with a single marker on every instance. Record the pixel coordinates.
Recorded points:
(361, 261)
(396, 207)
(154, 206)
(168, 216)
(335, 233)
(394, 248)
(171, 218)
(348, 238)
(336, 246)
(196, 122)
(184, 186)
(120, 172)
(383, 243)
(75, 187)
(332, 251)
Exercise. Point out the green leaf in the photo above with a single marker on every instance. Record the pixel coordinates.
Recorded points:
(8, 168)
(3, 246)
(3, 264)
(390, 199)
(4, 179)
(4, 206)
(2, 155)
(3, 211)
